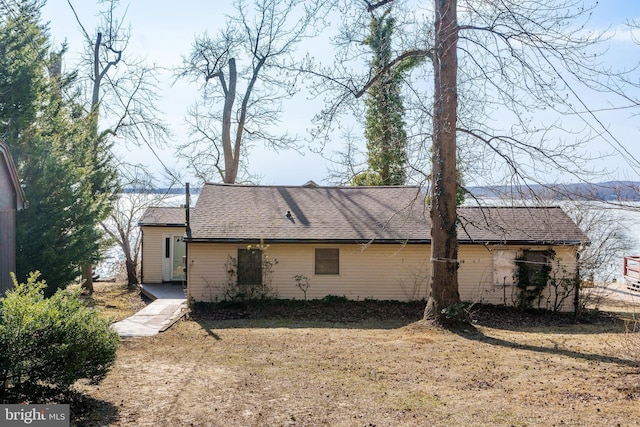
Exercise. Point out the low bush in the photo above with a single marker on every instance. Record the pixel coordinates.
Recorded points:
(49, 343)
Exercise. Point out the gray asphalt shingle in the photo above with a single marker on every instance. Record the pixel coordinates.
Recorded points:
(384, 214)
(163, 216)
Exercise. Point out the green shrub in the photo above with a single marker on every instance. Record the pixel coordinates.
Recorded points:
(455, 312)
(332, 299)
(49, 343)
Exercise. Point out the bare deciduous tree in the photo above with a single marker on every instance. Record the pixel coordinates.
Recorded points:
(122, 224)
(607, 228)
(120, 93)
(444, 238)
(122, 90)
(243, 84)
(531, 63)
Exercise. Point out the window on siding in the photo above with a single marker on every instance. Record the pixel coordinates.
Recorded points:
(327, 261)
(250, 267)
(504, 267)
(167, 247)
(535, 265)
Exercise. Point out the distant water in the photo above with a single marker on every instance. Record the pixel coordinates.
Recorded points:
(632, 220)
(113, 263)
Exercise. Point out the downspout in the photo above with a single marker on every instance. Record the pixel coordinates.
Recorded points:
(186, 241)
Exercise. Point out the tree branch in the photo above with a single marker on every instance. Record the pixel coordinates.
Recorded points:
(73, 9)
(414, 53)
(373, 6)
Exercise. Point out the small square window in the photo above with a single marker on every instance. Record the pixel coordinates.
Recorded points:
(327, 261)
(249, 267)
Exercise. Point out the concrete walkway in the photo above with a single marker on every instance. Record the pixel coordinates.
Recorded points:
(168, 306)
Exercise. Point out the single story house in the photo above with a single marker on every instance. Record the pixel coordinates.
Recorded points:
(11, 200)
(358, 242)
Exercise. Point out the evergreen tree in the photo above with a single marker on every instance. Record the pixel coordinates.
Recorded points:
(58, 233)
(68, 179)
(23, 49)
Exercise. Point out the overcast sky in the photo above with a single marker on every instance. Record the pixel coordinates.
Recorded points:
(162, 31)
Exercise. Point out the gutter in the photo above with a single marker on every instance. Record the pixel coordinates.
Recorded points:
(385, 241)
(315, 241)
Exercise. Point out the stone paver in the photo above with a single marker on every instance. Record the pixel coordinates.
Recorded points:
(168, 306)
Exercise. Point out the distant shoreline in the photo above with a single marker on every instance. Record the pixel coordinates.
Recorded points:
(622, 191)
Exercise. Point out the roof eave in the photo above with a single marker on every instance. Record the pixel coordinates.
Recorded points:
(525, 242)
(382, 241)
(21, 201)
(157, 224)
(313, 241)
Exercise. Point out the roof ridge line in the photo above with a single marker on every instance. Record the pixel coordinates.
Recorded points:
(222, 184)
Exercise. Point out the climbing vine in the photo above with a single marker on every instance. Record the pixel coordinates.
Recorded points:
(260, 288)
(533, 273)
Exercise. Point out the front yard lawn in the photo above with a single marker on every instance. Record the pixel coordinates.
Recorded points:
(271, 369)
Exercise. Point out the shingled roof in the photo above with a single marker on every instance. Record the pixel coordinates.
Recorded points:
(521, 224)
(244, 213)
(162, 216)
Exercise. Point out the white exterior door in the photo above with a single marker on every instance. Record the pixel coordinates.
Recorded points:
(173, 251)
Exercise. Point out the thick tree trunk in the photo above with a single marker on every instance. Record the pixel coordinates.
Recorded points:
(87, 269)
(130, 263)
(87, 278)
(444, 240)
(231, 158)
(132, 273)
(97, 75)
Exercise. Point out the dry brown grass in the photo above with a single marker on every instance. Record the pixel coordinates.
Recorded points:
(114, 300)
(292, 372)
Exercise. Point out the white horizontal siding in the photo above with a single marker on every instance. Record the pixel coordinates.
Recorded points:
(394, 272)
(153, 251)
(475, 274)
(377, 271)
(477, 282)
